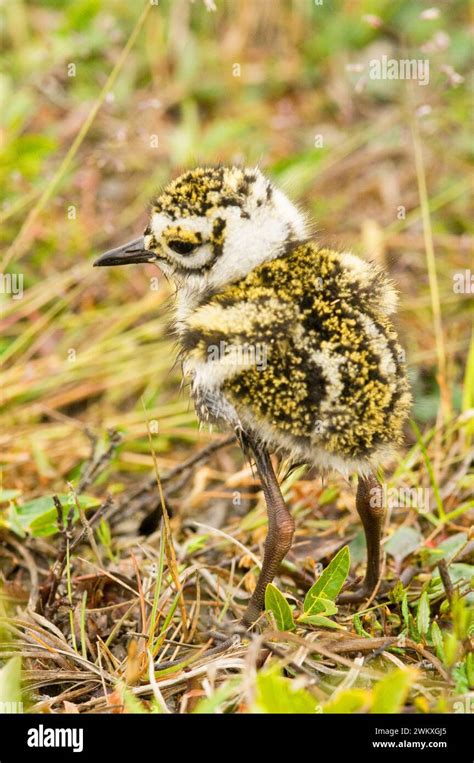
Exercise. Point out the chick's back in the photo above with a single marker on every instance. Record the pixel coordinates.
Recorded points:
(304, 351)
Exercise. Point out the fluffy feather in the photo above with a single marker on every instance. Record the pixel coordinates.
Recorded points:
(280, 338)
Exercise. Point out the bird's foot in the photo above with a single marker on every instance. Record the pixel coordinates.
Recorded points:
(251, 615)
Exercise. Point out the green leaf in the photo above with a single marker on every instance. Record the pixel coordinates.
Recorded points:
(328, 495)
(10, 681)
(196, 543)
(321, 605)
(405, 610)
(461, 685)
(397, 592)
(321, 621)
(403, 542)
(390, 693)
(423, 614)
(452, 648)
(463, 617)
(470, 669)
(276, 603)
(358, 548)
(447, 549)
(224, 694)
(328, 584)
(412, 629)
(276, 694)
(293, 477)
(468, 389)
(103, 532)
(348, 701)
(39, 516)
(359, 628)
(437, 639)
(130, 702)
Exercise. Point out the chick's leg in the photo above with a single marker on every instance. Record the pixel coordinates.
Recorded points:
(370, 508)
(280, 531)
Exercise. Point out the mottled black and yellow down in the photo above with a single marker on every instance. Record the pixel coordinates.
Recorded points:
(196, 192)
(334, 376)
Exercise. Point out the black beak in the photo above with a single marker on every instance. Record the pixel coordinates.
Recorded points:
(127, 254)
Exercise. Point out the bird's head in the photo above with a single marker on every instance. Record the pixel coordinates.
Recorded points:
(212, 226)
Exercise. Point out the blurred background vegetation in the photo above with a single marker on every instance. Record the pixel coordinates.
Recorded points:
(102, 103)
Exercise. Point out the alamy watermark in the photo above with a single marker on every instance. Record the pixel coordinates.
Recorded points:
(11, 708)
(465, 705)
(417, 69)
(44, 736)
(12, 283)
(401, 498)
(245, 354)
(385, 68)
(463, 282)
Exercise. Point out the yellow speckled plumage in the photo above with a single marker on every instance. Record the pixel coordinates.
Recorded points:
(277, 304)
(290, 345)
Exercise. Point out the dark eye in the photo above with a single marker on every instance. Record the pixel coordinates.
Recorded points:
(181, 247)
